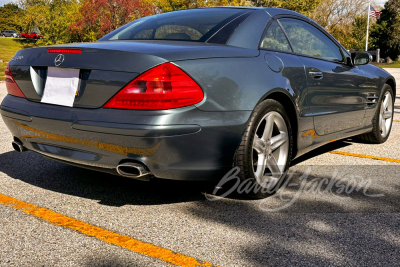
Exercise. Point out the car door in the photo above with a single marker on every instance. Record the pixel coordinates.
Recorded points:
(335, 91)
(284, 68)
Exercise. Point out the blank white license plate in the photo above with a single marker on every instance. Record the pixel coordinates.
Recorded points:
(61, 86)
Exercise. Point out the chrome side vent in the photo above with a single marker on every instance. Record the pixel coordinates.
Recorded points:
(372, 99)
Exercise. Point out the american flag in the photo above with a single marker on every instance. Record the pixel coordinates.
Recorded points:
(374, 13)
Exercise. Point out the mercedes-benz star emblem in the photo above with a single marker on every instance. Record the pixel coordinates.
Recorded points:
(59, 59)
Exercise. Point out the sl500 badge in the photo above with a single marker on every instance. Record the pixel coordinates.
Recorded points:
(17, 58)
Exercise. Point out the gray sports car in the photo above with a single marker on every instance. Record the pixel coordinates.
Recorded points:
(190, 94)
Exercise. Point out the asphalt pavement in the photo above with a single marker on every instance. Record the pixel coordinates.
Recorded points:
(340, 207)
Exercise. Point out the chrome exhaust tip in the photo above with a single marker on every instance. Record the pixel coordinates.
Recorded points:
(18, 146)
(132, 170)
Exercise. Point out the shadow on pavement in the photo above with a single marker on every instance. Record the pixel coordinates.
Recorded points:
(108, 189)
(112, 261)
(319, 151)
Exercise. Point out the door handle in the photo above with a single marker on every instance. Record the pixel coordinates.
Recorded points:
(316, 74)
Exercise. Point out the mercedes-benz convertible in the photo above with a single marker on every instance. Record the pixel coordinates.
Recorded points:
(188, 95)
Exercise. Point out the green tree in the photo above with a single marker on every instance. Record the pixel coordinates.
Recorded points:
(385, 33)
(9, 17)
(53, 18)
(338, 18)
(358, 34)
(304, 7)
(173, 5)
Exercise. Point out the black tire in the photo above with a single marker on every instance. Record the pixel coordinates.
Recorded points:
(243, 158)
(375, 137)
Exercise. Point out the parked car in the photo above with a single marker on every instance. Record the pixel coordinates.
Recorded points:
(10, 33)
(32, 34)
(187, 95)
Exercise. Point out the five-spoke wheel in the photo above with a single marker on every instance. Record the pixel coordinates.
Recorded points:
(266, 148)
(386, 114)
(270, 149)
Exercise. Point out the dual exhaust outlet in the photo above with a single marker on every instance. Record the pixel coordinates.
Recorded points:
(129, 169)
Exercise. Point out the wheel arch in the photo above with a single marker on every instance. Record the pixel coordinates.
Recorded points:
(287, 102)
(392, 83)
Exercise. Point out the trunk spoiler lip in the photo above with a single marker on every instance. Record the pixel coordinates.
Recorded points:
(153, 53)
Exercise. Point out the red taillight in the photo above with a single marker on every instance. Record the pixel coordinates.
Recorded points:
(12, 87)
(163, 87)
(64, 51)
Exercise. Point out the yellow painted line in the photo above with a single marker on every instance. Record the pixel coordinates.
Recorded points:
(395, 121)
(364, 156)
(397, 103)
(130, 243)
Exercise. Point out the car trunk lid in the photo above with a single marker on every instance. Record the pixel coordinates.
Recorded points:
(106, 67)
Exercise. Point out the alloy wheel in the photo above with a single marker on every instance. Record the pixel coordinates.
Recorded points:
(270, 149)
(386, 114)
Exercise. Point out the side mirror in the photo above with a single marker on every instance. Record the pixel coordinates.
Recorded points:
(349, 61)
(361, 58)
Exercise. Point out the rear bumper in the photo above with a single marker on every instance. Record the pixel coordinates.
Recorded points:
(180, 144)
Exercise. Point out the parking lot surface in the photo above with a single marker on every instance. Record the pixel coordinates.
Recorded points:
(340, 208)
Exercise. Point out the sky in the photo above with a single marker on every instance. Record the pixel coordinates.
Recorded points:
(379, 2)
(2, 2)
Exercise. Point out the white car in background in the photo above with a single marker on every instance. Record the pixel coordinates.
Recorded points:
(10, 33)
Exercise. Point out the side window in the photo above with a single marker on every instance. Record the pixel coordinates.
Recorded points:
(308, 40)
(275, 39)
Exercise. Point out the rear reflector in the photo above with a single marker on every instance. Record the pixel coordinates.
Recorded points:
(163, 87)
(64, 51)
(12, 87)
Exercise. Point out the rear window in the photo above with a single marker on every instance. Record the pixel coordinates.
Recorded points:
(196, 25)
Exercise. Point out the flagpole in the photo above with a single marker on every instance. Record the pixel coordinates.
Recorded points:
(368, 11)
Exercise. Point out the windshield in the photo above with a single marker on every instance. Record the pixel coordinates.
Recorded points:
(196, 25)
